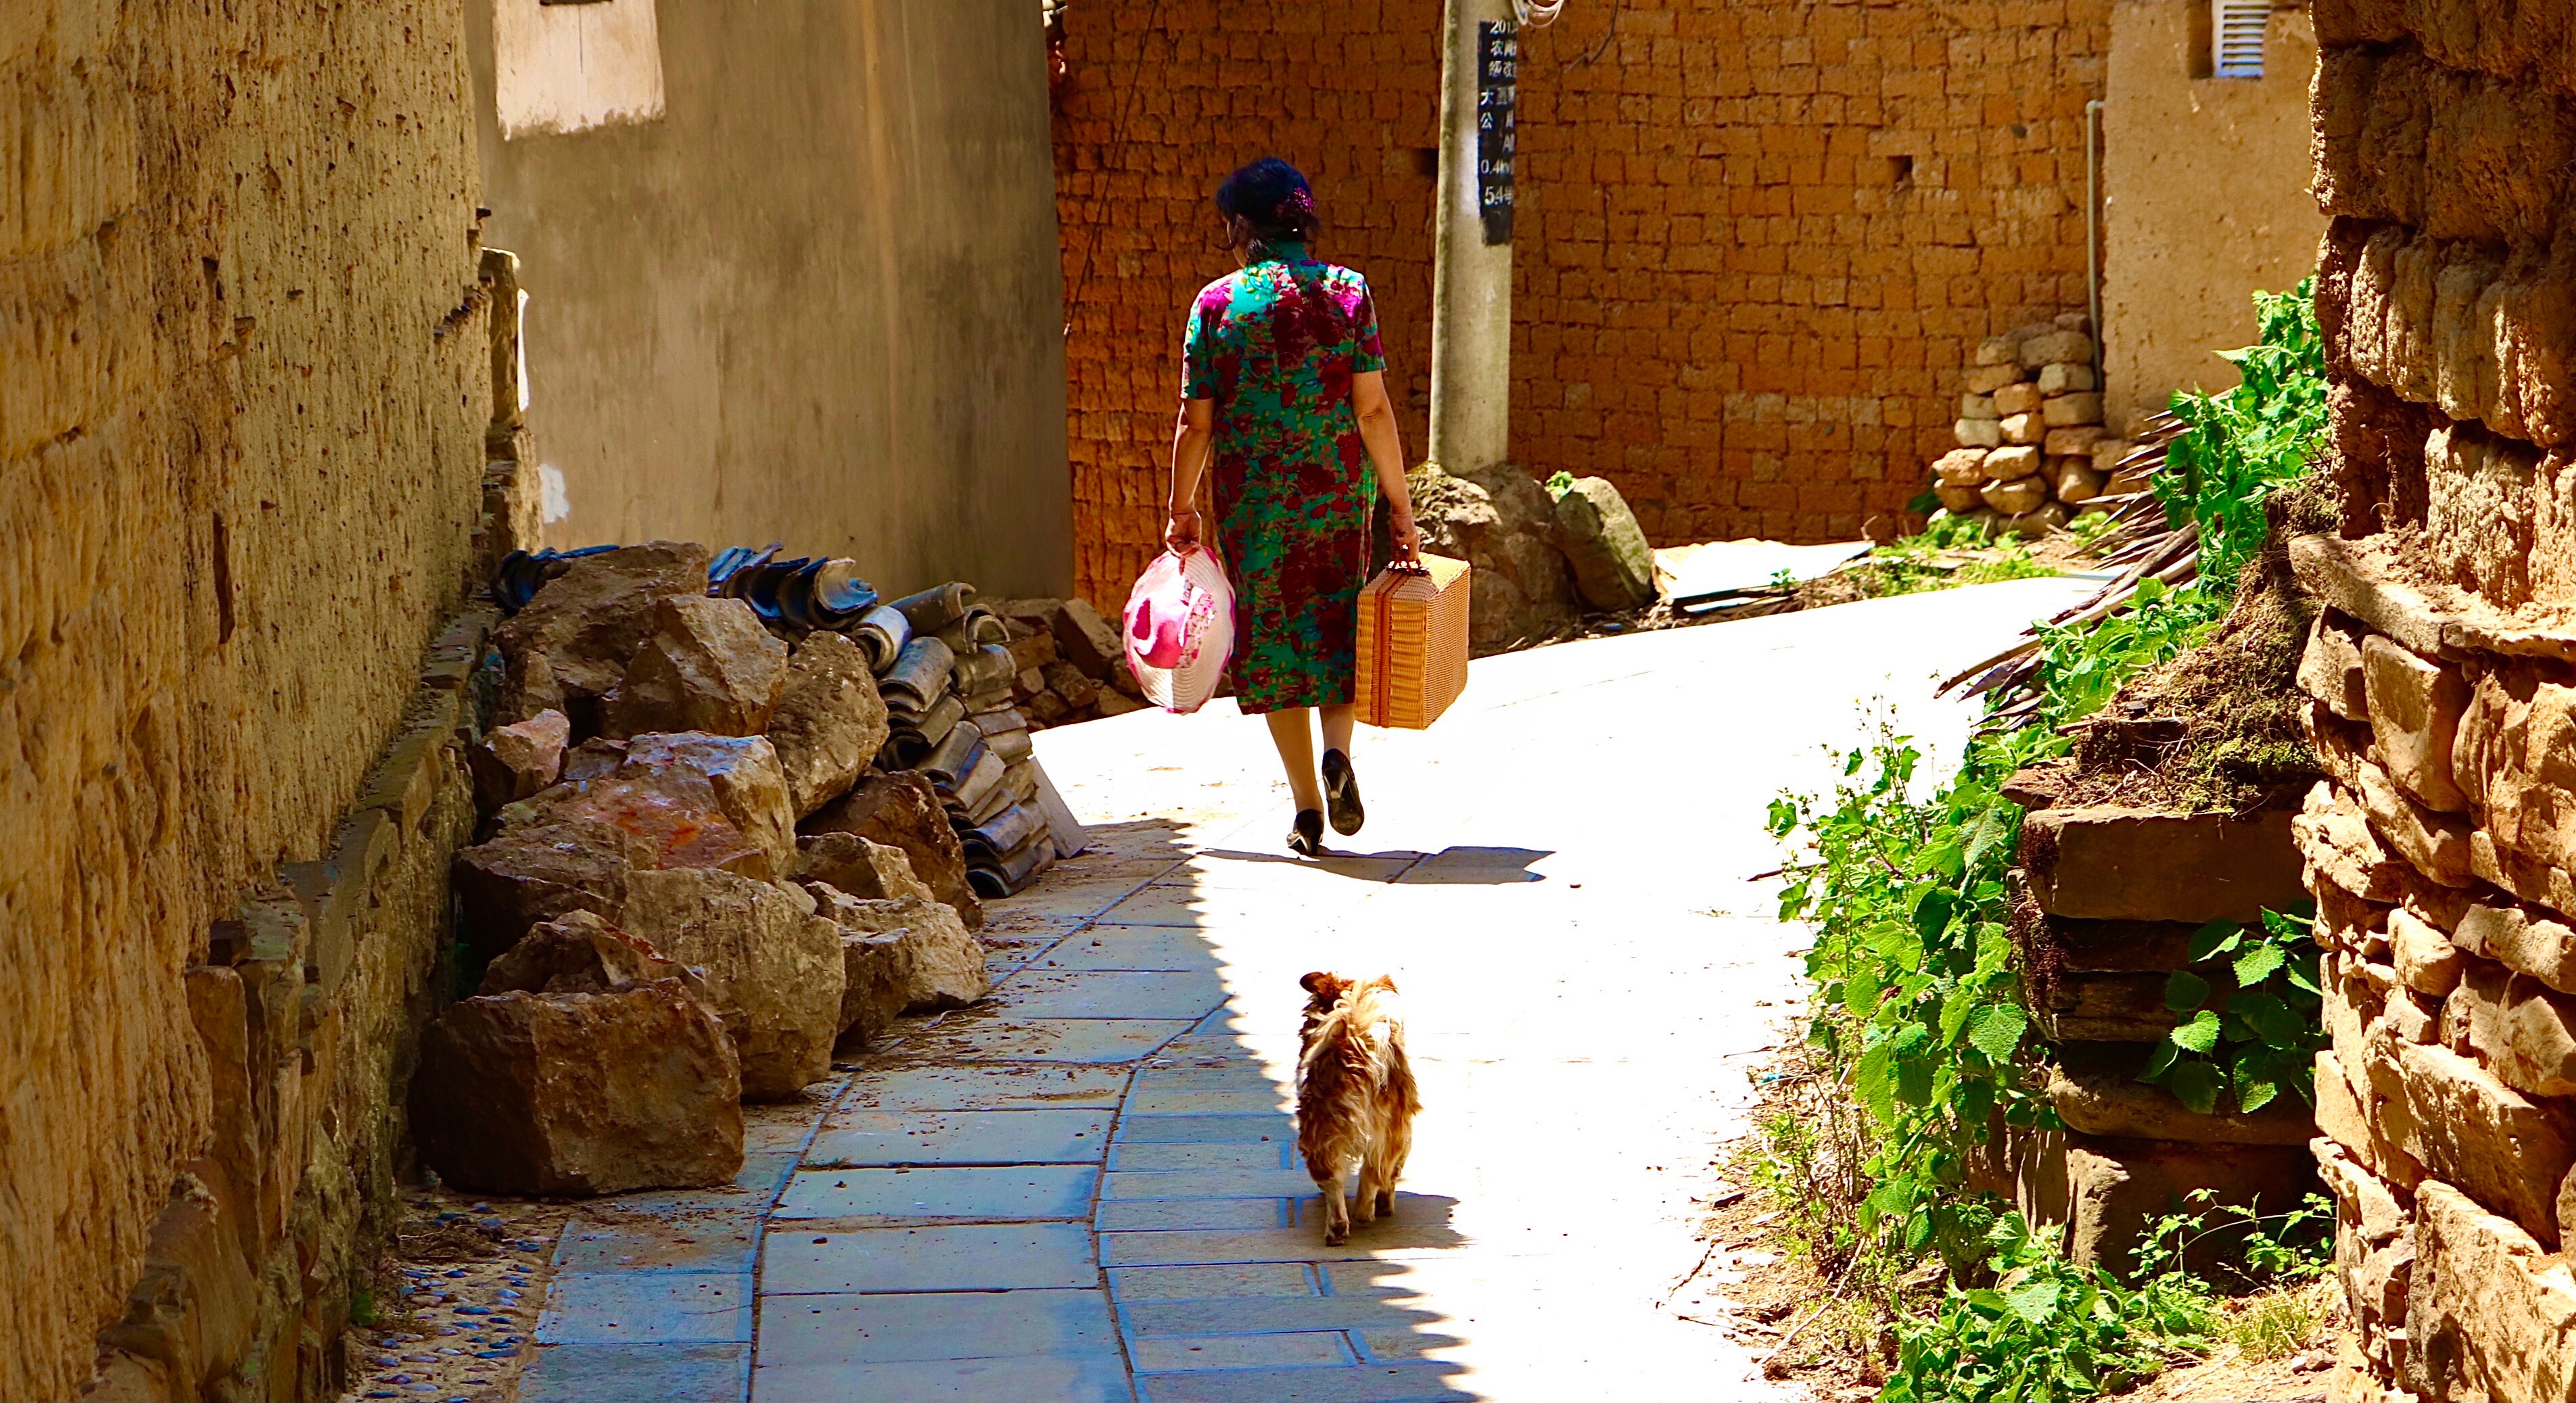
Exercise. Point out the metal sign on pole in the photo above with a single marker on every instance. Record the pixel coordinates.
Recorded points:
(1471, 298)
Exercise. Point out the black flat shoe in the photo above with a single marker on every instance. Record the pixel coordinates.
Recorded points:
(1342, 794)
(1307, 838)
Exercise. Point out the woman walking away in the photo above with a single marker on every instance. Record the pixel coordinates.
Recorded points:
(1284, 385)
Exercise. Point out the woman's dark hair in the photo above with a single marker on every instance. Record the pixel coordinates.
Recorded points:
(1269, 202)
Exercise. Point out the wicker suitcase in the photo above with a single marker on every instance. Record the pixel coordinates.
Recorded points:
(1413, 642)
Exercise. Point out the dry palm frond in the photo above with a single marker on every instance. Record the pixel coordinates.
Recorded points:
(2141, 542)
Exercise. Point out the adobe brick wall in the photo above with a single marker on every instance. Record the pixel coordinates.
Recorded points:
(1159, 102)
(1757, 243)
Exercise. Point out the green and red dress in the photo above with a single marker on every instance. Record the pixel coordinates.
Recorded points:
(1275, 346)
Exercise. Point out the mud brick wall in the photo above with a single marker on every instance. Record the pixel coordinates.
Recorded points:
(1757, 245)
(2440, 848)
(1157, 106)
(242, 393)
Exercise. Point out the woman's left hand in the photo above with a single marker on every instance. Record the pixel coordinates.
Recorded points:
(1181, 530)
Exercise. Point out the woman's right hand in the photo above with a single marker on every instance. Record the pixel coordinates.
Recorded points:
(1407, 536)
(1181, 530)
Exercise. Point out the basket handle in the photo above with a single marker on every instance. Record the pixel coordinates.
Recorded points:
(1413, 567)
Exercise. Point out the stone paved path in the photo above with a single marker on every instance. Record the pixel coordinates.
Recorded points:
(1085, 1188)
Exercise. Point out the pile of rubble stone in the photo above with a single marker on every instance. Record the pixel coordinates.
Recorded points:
(2032, 448)
(721, 836)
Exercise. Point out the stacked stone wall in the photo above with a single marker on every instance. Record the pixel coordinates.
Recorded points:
(2440, 847)
(243, 384)
(1757, 249)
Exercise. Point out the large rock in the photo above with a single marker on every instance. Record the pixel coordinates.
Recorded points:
(772, 967)
(572, 642)
(579, 1093)
(2330, 670)
(888, 970)
(2470, 1129)
(694, 800)
(860, 867)
(2335, 838)
(830, 721)
(2425, 958)
(2511, 758)
(943, 965)
(2531, 944)
(2415, 709)
(2109, 863)
(515, 761)
(1499, 522)
(1613, 566)
(2096, 1091)
(1086, 640)
(2116, 1187)
(539, 870)
(2490, 1313)
(579, 953)
(2435, 844)
(2517, 1027)
(708, 665)
(903, 811)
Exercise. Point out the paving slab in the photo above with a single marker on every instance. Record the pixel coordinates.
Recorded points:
(1118, 946)
(1206, 1283)
(1052, 1379)
(1114, 993)
(1299, 1350)
(989, 1087)
(1270, 1315)
(1272, 1244)
(811, 1331)
(1206, 1183)
(982, 1193)
(608, 1238)
(1159, 1214)
(835, 1259)
(635, 1307)
(990, 1038)
(1138, 1129)
(1367, 1383)
(624, 1373)
(1279, 1152)
(962, 1137)
(1247, 1096)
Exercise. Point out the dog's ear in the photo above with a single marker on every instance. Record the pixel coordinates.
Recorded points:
(1316, 981)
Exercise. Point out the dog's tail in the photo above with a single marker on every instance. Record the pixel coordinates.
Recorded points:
(1321, 1075)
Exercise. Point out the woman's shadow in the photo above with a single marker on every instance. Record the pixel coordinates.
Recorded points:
(1452, 866)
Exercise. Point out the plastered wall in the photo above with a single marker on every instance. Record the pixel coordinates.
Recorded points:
(1755, 245)
(241, 399)
(814, 300)
(2205, 199)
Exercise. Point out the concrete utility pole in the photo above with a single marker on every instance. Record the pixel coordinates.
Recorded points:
(1471, 292)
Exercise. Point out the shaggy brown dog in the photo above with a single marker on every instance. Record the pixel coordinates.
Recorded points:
(1355, 1095)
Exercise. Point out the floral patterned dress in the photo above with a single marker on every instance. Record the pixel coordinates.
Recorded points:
(1275, 346)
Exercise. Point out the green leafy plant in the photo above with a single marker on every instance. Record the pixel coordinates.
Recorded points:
(2082, 665)
(1558, 484)
(2089, 528)
(2045, 1330)
(1928, 560)
(2245, 443)
(2263, 1036)
(1918, 1003)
